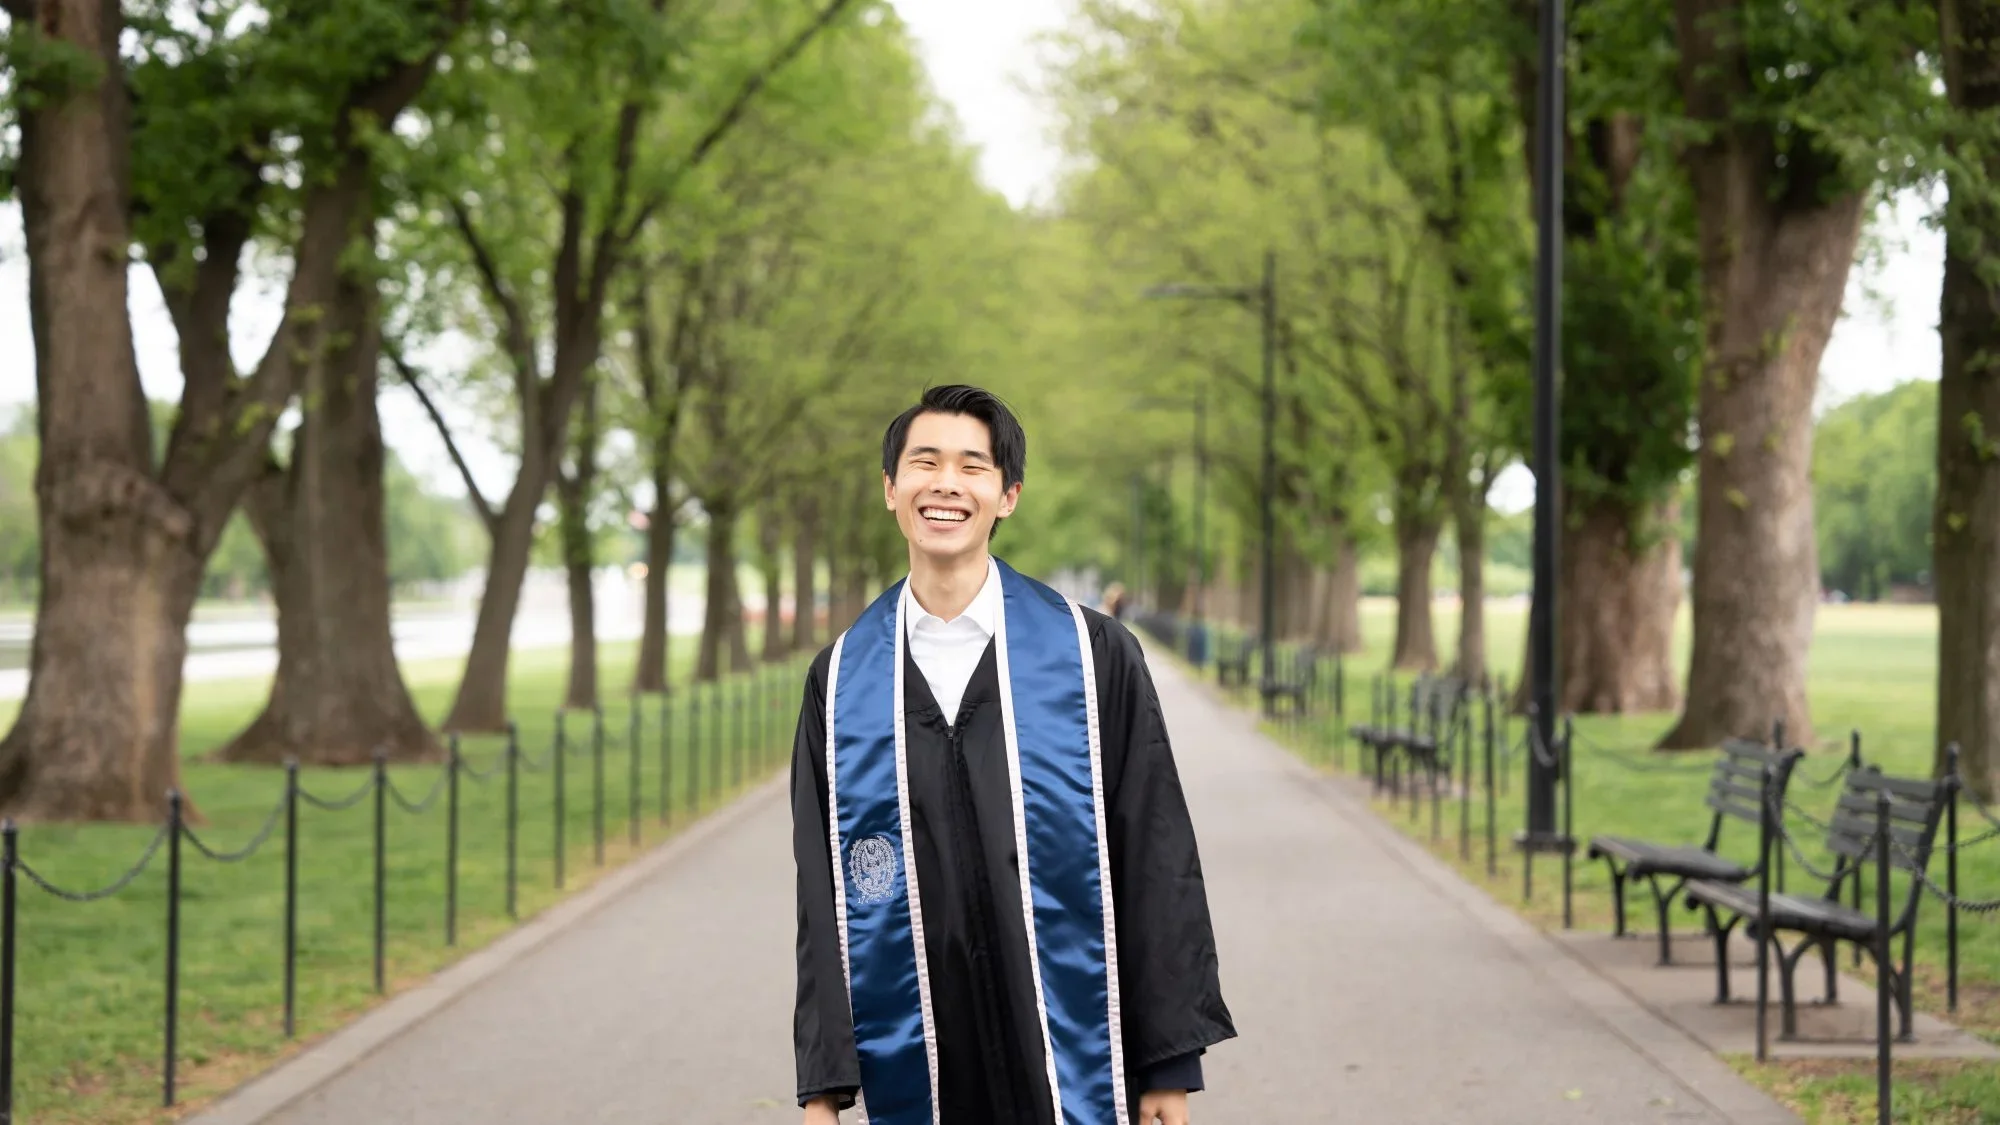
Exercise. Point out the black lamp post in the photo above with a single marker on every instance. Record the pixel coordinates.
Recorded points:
(1542, 833)
(1265, 297)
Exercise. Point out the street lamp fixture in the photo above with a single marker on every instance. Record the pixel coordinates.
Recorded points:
(1265, 297)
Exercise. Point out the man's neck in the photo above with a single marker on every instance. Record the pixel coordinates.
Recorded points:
(946, 587)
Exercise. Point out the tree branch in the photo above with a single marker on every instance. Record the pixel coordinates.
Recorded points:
(410, 379)
(733, 112)
(514, 322)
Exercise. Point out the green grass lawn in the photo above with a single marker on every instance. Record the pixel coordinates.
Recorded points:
(1872, 670)
(92, 976)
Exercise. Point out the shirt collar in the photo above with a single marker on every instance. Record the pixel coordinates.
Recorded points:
(983, 611)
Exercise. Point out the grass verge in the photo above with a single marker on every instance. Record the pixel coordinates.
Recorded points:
(89, 1032)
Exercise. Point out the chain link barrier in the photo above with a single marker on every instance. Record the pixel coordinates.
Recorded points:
(430, 799)
(347, 802)
(116, 885)
(246, 851)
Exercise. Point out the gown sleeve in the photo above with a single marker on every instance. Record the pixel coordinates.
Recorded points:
(1170, 987)
(822, 1024)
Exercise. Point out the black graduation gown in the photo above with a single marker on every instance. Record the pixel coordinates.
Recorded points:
(991, 1069)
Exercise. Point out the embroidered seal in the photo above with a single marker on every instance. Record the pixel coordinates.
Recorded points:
(871, 866)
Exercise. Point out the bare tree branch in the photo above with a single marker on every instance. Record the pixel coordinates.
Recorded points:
(411, 380)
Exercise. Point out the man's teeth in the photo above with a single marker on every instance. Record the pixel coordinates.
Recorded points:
(944, 514)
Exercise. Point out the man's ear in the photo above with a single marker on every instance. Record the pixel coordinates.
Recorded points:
(889, 491)
(1009, 499)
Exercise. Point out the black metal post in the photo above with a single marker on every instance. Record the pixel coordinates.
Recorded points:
(694, 746)
(1339, 710)
(1778, 744)
(381, 865)
(9, 865)
(597, 783)
(174, 831)
(1951, 879)
(513, 818)
(666, 757)
(1548, 177)
(1492, 814)
(718, 725)
(1884, 1086)
(1439, 752)
(735, 692)
(1764, 834)
(561, 756)
(1569, 807)
(1268, 295)
(1854, 763)
(291, 897)
(633, 741)
(1462, 731)
(451, 845)
(1528, 852)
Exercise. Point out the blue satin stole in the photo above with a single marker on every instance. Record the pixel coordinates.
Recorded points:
(1048, 696)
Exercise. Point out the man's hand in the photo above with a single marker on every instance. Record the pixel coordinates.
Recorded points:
(820, 1111)
(1167, 1107)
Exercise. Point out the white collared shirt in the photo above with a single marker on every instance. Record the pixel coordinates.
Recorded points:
(948, 652)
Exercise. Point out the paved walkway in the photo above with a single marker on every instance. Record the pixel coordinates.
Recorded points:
(1369, 985)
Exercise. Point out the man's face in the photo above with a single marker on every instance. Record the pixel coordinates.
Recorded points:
(947, 489)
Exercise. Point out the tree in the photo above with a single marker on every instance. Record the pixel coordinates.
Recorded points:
(1795, 112)
(1966, 527)
(1875, 488)
(578, 89)
(115, 151)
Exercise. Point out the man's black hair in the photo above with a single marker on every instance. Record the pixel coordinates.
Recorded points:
(1010, 442)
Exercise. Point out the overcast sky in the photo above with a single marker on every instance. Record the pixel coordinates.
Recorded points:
(980, 56)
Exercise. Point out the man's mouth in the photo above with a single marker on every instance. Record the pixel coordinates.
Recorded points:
(944, 515)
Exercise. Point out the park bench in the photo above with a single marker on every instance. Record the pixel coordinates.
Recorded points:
(1296, 689)
(1232, 668)
(1733, 791)
(1422, 738)
(1916, 809)
(1437, 705)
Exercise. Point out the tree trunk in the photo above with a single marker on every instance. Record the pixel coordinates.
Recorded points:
(770, 545)
(1416, 549)
(481, 704)
(1774, 270)
(338, 696)
(95, 738)
(574, 490)
(1338, 620)
(1470, 529)
(1620, 591)
(1966, 524)
(1756, 571)
(660, 526)
(722, 624)
(579, 564)
(805, 548)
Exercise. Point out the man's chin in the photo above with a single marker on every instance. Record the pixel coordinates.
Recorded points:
(957, 549)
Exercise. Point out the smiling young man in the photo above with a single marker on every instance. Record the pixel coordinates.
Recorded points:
(1001, 914)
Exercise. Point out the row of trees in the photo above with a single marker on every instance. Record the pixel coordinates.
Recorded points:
(1720, 159)
(680, 262)
(429, 536)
